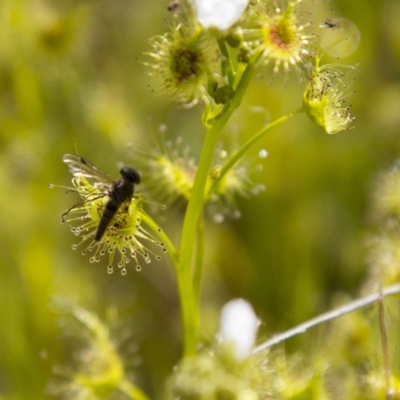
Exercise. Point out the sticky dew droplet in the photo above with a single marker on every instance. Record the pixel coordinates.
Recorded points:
(162, 128)
(263, 153)
(237, 214)
(223, 154)
(218, 218)
(257, 189)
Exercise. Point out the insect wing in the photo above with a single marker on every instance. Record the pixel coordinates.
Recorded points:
(80, 167)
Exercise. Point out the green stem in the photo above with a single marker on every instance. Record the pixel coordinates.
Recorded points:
(226, 63)
(236, 157)
(186, 291)
(132, 391)
(162, 236)
(199, 260)
(190, 312)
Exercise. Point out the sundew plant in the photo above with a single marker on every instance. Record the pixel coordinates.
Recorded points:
(208, 56)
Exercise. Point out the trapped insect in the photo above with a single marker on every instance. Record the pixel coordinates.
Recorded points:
(120, 192)
(328, 23)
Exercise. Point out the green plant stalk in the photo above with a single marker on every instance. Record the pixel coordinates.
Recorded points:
(239, 154)
(190, 312)
(185, 283)
(227, 68)
(384, 338)
(198, 265)
(131, 391)
(162, 236)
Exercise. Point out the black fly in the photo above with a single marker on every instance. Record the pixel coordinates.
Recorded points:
(119, 192)
(328, 23)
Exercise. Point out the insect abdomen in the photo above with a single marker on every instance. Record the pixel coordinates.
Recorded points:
(109, 211)
(121, 193)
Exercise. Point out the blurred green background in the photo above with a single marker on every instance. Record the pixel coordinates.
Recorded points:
(70, 70)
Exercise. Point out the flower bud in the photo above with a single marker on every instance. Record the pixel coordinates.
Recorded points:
(220, 14)
(238, 328)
